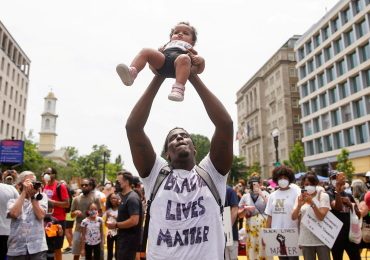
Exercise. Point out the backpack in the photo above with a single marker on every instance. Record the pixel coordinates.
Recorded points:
(59, 194)
(163, 174)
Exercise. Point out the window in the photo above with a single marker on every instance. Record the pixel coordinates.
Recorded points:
(306, 109)
(362, 134)
(308, 128)
(330, 74)
(296, 119)
(335, 118)
(308, 47)
(317, 40)
(328, 143)
(302, 71)
(4, 107)
(361, 28)
(301, 53)
(319, 59)
(343, 90)
(341, 67)
(349, 138)
(309, 148)
(346, 15)
(325, 33)
(295, 102)
(304, 89)
(320, 80)
(310, 66)
(318, 144)
(333, 95)
(2, 126)
(349, 37)
(335, 24)
(328, 53)
(314, 104)
(325, 121)
(312, 85)
(357, 6)
(358, 108)
(337, 140)
(367, 78)
(323, 100)
(47, 123)
(352, 60)
(292, 72)
(316, 125)
(346, 113)
(355, 84)
(338, 45)
(364, 52)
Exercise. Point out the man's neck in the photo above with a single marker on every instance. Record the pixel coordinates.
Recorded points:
(126, 191)
(183, 165)
(52, 181)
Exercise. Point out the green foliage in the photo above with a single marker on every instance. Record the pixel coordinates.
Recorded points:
(202, 145)
(238, 170)
(296, 158)
(344, 164)
(256, 167)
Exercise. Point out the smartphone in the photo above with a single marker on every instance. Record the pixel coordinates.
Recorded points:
(303, 191)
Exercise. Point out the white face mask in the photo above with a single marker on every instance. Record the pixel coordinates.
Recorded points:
(334, 182)
(46, 177)
(310, 189)
(283, 183)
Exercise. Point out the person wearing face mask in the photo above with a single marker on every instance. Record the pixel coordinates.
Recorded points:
(311, 198)
(280, 203)
(80, 206)
(92, 233)
(341, 206)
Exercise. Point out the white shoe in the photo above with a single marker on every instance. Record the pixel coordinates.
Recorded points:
(177, 92)
(125, 74)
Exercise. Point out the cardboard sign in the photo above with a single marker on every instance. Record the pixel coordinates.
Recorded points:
(281, 242)
(326, 230)
(228, 229)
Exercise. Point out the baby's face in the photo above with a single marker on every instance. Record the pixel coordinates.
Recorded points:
(184, 33)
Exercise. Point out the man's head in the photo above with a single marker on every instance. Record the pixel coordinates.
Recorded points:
(124, 181)
(179, 145)
(86, 186)
(52, 172)
(184, 31)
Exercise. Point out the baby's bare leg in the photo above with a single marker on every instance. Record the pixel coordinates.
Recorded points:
(154, 57)
(182, 67)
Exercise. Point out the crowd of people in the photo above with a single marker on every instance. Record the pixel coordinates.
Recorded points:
(262, 205)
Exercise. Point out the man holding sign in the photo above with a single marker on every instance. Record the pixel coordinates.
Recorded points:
(185, 220)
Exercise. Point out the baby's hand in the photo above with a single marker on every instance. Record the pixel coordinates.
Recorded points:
(196, 60)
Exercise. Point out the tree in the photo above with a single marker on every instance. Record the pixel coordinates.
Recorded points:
(238, 170)
(344, 164)
(296, 158)
(256, 167)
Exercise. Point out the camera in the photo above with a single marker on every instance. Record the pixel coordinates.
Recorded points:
(36, 185)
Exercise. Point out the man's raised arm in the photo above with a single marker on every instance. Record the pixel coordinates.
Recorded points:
(142, 151)
(221, 151)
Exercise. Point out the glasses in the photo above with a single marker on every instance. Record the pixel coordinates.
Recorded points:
(84, 185)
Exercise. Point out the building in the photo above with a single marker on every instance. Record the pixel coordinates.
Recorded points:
(333, 63)
(48, 135)
(14, 79)
(268, 101)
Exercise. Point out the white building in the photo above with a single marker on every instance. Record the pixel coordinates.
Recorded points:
(333, 63)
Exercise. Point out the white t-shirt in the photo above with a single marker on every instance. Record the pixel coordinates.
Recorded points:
(7, 192)
(185, 219)
(280, 206)
(93, 230)
(178, 44)
(306, 237)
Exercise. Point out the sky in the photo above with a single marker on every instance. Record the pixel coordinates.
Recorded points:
(74, 47)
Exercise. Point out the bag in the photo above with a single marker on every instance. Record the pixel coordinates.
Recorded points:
(59, 193)
(365, 230)
(355, 234)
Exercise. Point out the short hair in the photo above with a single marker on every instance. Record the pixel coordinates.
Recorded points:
(53, 170)
(193, 30)
(358, 188)
(165, 146)
(23, 176)
(283, 171)
(127, 176)
(311, 177)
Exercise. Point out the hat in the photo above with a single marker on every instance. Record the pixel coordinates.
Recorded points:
(135, 180)
(332, 174)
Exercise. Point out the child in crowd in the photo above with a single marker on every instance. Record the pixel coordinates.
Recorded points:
(92, 233)
(53, 229)
(113, 201)
(173, 60)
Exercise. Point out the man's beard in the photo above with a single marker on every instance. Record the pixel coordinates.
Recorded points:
(183, 154)
(85, 192)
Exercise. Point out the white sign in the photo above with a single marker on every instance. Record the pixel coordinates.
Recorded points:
(326, 230)
(281, 242)
(228, 230)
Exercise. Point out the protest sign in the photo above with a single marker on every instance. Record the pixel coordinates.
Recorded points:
(227, 226)
(326, 230)
(281, 242)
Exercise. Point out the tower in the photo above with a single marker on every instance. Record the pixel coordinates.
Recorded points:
(48, 125)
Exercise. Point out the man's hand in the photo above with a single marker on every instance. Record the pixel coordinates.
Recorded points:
(78, 213)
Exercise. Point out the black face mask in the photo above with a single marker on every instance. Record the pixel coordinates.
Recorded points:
(118, 187)
(85, 192)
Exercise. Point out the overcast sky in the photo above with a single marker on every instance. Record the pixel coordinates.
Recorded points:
(75, 46)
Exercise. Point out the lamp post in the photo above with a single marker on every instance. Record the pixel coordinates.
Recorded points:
(104, 156)
(275, 135)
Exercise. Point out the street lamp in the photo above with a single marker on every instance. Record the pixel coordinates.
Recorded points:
(104, 156)
(275, 135)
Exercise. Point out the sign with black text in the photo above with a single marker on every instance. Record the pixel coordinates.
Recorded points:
(281, 241)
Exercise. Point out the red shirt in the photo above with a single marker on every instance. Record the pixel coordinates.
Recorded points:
(51, 191)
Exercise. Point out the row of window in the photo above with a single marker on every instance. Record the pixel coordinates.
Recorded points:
(20, 79)
(355, 135)
(348, 62)
(348, 12)
(338, 92)
(12, 113)
(18, 98)
(11, 50)
(353, 110)
(9, 133)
